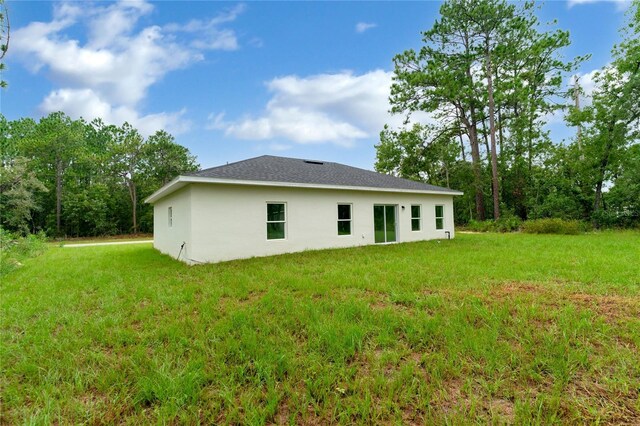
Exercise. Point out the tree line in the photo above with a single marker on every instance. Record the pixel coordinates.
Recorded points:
(73, 178)
(491, 76)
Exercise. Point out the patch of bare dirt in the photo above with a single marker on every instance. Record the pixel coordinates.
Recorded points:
(248, 299)
(416, 357)
(311, 418)
(616, 407)
(377, 300)
(453, 398)
(252, 296)
(504, 409)
(57, 330)
(91, 400)
(283, 413)
(412, 416)
(382, 303)
(609, 306)
(515, 288)
(363, 365)
(379, 305)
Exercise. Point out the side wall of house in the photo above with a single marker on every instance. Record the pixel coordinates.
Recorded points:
(229, 221)
(168, 236)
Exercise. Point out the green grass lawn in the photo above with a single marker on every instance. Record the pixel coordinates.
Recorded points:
(491, 328)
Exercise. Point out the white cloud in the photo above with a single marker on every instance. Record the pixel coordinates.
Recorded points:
(210, 36)
(88, 104)
(364, 26)
(115, 63)
(66, 10)
(336, 108)
(111, 24)
(620, 4)
(110, 74)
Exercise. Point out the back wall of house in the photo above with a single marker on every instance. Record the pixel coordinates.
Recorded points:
(230, 221)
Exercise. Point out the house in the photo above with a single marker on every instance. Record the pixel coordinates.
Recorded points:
(270, 205)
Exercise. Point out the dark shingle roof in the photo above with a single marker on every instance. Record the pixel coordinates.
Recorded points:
(293, 170)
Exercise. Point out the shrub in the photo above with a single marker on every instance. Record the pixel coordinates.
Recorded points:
(504, 224)
(616, 219)
(507, 224)
(14, 249)
(479, 226)
(552, 226)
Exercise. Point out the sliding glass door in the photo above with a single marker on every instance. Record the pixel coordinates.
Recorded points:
(384, 223)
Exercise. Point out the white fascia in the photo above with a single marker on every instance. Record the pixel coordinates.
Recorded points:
(182, 181)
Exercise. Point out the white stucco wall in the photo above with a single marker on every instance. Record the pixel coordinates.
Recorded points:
(229, 221)
(168, 239)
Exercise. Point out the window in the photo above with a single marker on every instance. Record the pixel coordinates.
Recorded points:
(276, 221)
(170, 215)
(415, 218)
(344, 219)
(439, 217)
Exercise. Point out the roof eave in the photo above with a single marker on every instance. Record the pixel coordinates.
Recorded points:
(181, 181)
(167, 189)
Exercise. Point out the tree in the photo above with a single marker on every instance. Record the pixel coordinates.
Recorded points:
(52, 147)
(420, 154)
(4, 38)
(489, 19)
(12, 135)
(164, 159)
(91, 196)
(528, 84)
(126, 147)
(487, 61)
(17, 188)
(94, 174)
(441, 79)
(423, 153)
(611, 124)
(624, 195)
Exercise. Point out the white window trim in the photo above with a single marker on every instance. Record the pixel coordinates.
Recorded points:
(345, 220)
(170, 216)
(276, 221)
(419, 217)
(439, 217)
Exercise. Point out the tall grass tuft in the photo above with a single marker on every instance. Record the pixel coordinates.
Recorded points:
(15, 248)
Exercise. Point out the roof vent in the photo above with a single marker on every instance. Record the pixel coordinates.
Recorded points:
(313, 162)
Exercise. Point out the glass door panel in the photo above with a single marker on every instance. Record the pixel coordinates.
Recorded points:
(384, 224)
(390, 219)
(378, 224)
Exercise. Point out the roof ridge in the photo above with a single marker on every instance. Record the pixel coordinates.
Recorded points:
(301, 159)
(387, 175)
(289, 169)
(229, 164)
(267, 155)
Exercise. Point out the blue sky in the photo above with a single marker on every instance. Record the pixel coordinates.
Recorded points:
(237, 80)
